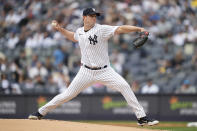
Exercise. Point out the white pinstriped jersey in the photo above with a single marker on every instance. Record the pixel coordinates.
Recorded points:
(94, 52)
(94, 44)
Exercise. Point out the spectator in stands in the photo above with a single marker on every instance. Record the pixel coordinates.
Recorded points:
(117, 59)
(14, 72)
(65, 50)
(51, 86)
(150, 88)
(47, 41)
(186, 88)
(194, 61)
(135, 87)
(74, 61)
(61, 80)
(3, 64)
(22, 39)
(34, 60)
(39, 81)
(12, 41)
(16, 89)
(58, 56)
(29, 84)
(48, 64)
(38, 71)
(5, 84)
(178, 60)
(62, 68)
(165, 66)
(21, 60)
(26, 24)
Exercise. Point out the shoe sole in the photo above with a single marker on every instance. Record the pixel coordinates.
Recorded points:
(149, 123)
(33, 117)
(153, 123)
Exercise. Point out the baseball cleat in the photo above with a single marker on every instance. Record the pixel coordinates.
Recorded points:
(145, 120)
(35, 116)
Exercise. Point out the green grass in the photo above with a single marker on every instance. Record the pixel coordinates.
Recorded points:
(176, 128)
(169, 126)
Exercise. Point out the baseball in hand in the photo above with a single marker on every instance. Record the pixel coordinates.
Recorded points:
(54, 23)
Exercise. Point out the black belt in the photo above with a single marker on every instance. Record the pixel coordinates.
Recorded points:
(94, 68)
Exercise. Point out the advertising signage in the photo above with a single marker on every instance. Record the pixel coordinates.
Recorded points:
(102, 107)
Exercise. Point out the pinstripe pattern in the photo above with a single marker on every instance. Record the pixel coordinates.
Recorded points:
(113, 80)
(83, 79)
(95, 55)
(87, 77)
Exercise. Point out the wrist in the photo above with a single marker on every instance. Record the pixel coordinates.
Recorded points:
(60, 28)
(142, 29)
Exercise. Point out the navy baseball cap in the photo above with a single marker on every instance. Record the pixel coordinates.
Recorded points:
(90, 11)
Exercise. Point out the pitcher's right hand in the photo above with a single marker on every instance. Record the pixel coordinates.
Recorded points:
(55, 25)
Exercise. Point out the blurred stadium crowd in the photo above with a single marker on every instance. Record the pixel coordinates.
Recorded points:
(34, 58)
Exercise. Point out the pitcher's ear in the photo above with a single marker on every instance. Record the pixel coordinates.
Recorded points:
(84, 17)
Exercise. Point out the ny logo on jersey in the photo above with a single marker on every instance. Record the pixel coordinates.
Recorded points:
(93, 40)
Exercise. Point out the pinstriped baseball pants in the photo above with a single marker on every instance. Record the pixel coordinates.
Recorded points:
(86, 77)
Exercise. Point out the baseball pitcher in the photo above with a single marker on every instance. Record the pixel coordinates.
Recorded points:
(95, 65)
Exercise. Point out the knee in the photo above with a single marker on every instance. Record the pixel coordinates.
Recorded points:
(69, 94)
(66, 95)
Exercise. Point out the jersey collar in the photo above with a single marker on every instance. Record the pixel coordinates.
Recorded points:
(89, 29)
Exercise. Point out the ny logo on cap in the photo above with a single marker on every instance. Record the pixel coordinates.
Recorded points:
(93, 40)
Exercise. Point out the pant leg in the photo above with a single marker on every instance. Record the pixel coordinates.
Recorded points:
(82, 80)
(113, 80)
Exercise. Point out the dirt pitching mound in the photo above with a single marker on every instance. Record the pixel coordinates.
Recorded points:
(54, 125)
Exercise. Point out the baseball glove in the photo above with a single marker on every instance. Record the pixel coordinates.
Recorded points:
(141, 39)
